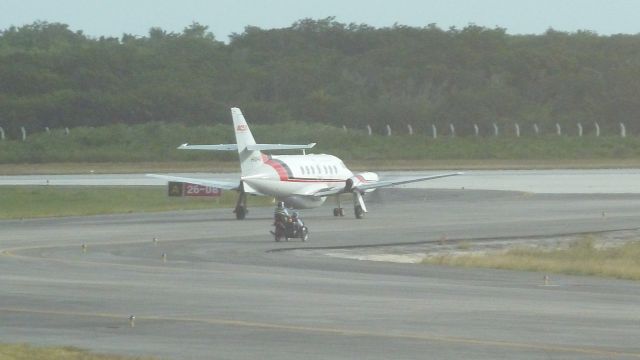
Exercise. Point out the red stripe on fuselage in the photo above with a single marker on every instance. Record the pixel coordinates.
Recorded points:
(314, 180)
(277, 166)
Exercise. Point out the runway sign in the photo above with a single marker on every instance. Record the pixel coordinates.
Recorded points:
(186, 189)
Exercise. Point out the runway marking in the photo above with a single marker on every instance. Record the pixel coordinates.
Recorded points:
(345, 332)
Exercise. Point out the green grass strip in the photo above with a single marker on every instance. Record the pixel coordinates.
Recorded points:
(52, 201)
(580, 258)
(28, 352)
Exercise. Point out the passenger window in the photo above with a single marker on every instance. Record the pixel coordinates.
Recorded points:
(302, 170)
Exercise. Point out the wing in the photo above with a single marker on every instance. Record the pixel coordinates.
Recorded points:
(226, 185)
(232, 147)
(378, 184)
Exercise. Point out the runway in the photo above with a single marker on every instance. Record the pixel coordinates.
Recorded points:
(227, 291)
(603, 181)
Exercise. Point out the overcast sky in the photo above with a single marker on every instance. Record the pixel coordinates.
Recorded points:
(115, 17)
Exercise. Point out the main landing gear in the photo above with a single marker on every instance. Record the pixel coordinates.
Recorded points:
(338, 211)
(241, 206)
(359, 208)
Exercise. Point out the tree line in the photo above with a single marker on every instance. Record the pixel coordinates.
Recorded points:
(319, 71)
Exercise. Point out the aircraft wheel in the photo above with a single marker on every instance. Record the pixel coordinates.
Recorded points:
(341, 211)
(359, 212)
(241, 212)
(336, 212)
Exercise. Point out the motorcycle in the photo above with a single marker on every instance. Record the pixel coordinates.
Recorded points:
(288, 228)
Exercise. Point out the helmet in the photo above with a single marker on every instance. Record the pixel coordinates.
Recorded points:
(280, 204)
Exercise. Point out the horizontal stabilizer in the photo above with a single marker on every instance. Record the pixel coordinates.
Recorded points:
(261, 147)
(220, 147)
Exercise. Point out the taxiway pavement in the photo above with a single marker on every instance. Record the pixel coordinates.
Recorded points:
(227, 291)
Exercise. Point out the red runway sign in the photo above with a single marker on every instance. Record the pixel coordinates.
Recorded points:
(186, 189)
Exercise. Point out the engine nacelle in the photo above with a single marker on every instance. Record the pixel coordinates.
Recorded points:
(353, 182)
(302, 202)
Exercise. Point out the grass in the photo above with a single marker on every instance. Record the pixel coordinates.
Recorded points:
(52, 201)
(157, 142)
(118, 167)
(464, 245)
(582, 257)
(28, 352)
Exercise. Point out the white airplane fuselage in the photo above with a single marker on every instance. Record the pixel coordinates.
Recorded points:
(293, 178)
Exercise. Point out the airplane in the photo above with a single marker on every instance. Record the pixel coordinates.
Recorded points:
(300, 181)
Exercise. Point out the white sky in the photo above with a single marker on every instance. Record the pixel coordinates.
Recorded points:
(115, 17)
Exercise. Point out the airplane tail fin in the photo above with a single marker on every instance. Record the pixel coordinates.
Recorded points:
(249, 159)
(250, 153)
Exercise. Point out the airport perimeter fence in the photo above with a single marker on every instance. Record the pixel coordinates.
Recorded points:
(24, 132)
(438, 130)
(514, 130)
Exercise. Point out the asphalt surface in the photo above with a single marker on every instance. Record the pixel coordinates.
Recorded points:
(559, 181)
(227, 291)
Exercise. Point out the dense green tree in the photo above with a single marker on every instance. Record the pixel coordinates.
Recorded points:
(320, 71)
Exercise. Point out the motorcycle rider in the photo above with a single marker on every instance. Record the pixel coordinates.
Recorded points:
(281, 213)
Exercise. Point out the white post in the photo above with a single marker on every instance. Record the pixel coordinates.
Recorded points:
(517, 130)
(579, 130)
(623, 130)
(558, 129)
(476, 130)
(434, 131)
(46, 129)
(369, 129)
(536, 129)
(66, 131)
(1, 133)
(496, 130)
(388, 130)
(344, 128)
(597, 129)
(24, 133)
(452, 129)
(410, 129)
